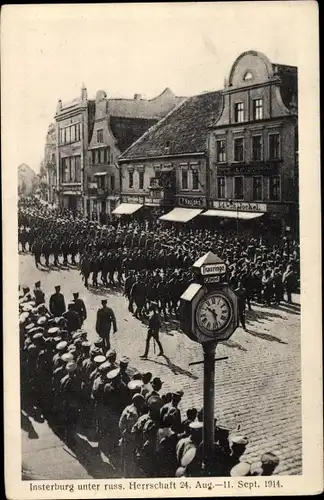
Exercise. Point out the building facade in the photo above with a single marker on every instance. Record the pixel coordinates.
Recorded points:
(74, 123)
(117, 124)
(253, 145)
(167, 167)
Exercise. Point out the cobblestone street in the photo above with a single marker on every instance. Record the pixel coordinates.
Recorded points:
(257, 387)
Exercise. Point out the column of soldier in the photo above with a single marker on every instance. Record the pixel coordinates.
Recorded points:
(85, 392)
(159, 258)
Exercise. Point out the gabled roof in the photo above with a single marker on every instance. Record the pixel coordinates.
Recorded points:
(183, 130)
(128, 130)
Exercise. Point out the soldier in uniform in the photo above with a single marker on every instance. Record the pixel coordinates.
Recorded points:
(105, 318)
(38, 294)
(57, 303)
(73, 321)
(269, 462)
(237, 448)
(79, 307)
(153, 332)
(70, 390)
(241, 294)
(189, 451)
(128, 418)
(173, 407)
(37, 251)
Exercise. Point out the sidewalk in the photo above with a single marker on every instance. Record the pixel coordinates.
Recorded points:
(45, 456)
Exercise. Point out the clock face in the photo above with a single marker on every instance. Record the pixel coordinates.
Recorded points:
(213, 313)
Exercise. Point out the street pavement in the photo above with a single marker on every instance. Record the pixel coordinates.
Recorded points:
(257, 388)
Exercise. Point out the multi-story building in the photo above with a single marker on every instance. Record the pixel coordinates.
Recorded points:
(253, 146)
(232, 152)
(74, 123)
(167, 167)
(50, 163)
(117, 124)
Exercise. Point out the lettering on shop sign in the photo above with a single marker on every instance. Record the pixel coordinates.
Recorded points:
(240, 205)
(264, 169)
(132, 199)
(152, 201)
(213, 269)
(212, 279)
(191, 202)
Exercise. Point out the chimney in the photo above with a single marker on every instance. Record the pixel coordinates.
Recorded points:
(59, 106)
(137, 97)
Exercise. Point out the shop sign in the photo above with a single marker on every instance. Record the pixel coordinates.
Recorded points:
(132, 198)
(243, 206)
(152, 201)
(248, 169)
(191, 202)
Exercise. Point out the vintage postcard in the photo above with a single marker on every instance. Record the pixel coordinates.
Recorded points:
(161, 241)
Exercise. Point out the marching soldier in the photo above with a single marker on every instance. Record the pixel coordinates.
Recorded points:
(241, 294)
(105, 319)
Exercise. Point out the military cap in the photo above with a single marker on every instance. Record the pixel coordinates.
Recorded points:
(113, 374)
(240, 470)
(178, 392)
(42, 320)
(104, 367)
(57, 339)
(57, 286)
(95, 351)
(38, 336)
(61, 345)
(31, 347)
(156, 382)
(196, 426)
(180, 472)
(71, 366)
(189, 455)
(76, 334)
(23, 317)
(99, 343)
(34, 310)
(104, 302)
(269, 458)
(138, 397)
(37, 283)
(86, 345)
(236, 439)
(36, 329)
(71, 347)
(30, 326)
(124, 360)
(135, 384)
(54, 330)
(59, 319)
(27, 307)
(100, 359)
(111, 353)
(77, 341)
(67, 356)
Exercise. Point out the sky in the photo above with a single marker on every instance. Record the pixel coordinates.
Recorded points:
(49, 51)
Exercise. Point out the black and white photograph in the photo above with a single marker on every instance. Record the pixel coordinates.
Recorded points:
(156, 158)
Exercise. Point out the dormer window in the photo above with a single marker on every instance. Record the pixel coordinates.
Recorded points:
(248, 76)
(239, 112)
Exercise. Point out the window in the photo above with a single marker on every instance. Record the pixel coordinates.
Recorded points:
(68, 134)
(72, 169)
(274, 147)
(78, 168)
(93, 157)
(238, 149)
(77, 132)
(257, 188)
(100, 135)
(239, 112)
(184, 179)
(238, 188)
(64, 135)
(221, 187)
(141, 180)
(101, 181)
(221, 151)
(112, 182)
(63, 169)
(130, 179)
(195, 179)
(274, 188)
(257, 109)
(102, 153)
(106, 155)
(73, 133)
(61, 136)
(256, 147)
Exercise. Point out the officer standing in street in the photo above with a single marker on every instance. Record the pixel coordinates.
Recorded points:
(153, 331)
(105, 318)
(39, 294)
(241, 295)
(57, 303)
(73, 321)
(79, 307)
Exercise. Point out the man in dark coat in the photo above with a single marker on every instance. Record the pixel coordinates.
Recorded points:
(39, 294)
(79, 307)
(241, 295)
(57, 303)
(73, 321)
(105, 318)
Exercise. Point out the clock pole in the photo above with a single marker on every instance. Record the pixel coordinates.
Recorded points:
(209, 398)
